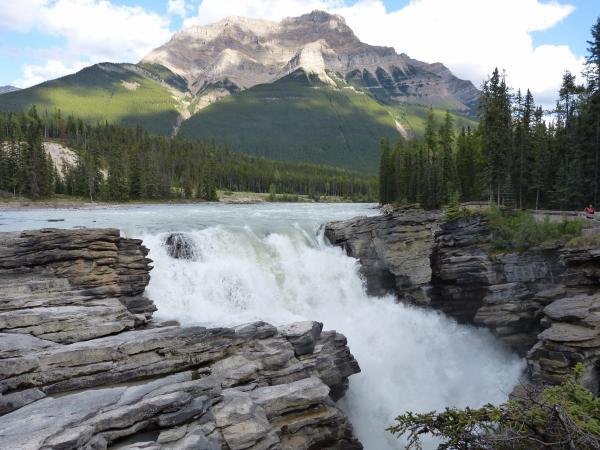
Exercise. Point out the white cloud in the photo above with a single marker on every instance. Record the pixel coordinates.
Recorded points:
(94, 30)
(35, 74)
(20, 15)
(471, 37)
(176, 7)
(103, 31)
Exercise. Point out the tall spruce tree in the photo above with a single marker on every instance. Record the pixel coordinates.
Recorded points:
(386, 173)
(448, 177)
(496, 132)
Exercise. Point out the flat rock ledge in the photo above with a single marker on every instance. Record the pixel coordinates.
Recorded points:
(84, 365)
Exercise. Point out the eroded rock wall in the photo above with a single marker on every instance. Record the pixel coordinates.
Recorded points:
(394, 250)
(544, 302)
(83, 365)
(502, 291)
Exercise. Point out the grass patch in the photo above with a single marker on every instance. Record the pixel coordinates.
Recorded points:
(592, 240)
(520, 230)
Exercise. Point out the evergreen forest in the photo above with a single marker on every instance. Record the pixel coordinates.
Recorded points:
(519, 155)
(120, 164)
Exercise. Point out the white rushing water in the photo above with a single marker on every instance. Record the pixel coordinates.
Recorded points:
(269, 262)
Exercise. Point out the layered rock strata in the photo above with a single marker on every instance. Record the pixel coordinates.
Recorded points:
(237, 53)
(503, 291)
(394, 250)
(83, 365)
(544, 302)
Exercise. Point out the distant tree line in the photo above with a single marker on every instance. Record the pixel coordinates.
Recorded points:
(119, 164)
(514, 157)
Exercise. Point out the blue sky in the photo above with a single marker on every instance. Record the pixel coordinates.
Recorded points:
(44, 39)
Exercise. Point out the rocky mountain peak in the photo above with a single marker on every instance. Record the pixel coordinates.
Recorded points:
(320, 18)
(242, 52)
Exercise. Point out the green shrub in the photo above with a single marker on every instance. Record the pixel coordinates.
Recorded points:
(566, 416)
(455, 211)
(520, 230)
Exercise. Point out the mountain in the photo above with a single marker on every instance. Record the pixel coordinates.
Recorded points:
(5, 89)
(238, 53)
(303, 89)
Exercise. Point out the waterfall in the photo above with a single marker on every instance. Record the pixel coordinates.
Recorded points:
(411, 359)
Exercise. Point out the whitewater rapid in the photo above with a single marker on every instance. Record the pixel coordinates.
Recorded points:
(268, 262)
(411, 359)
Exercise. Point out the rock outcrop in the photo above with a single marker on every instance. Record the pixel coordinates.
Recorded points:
(83, 365)
(544, 302)
(503, 291)
(571, 336)
(394, 250)
(180, 246)
(68, 286)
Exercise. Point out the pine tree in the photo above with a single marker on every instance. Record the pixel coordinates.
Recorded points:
(454, 211)
(508, 196)
(401, 163)
(524, 110)
(117, 185)
(209, 186)
(593, 58)
(386, 173)
(541, 167)
(432, 165)
(448, 177)
(496, 131)
(135, 175)
(35, 166)
(570, 181)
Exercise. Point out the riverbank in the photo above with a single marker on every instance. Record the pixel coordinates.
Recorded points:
(227, 197)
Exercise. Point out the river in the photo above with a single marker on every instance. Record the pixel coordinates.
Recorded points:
(270, 262)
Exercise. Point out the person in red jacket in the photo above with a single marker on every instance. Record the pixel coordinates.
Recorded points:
(589, 212)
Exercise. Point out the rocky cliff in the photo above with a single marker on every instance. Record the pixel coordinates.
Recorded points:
(237, 53)
(394, 250)
(84, 365)
(545, 302)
